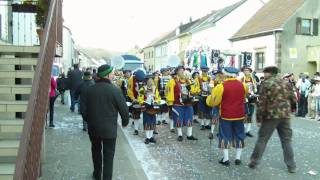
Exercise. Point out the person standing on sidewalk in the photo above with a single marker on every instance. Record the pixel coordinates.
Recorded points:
(87, 82)
(53, 86)
(102, 103)
(303, 86)
(62, 86)
(273, 112)
(75, 79)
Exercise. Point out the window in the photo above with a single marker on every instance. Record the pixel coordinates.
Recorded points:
(260, 60)
(158, 52)
(307, 26)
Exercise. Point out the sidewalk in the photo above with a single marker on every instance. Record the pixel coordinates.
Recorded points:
(68, 151)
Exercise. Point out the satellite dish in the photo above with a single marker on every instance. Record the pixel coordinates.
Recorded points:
(117, 62)
(174, 61)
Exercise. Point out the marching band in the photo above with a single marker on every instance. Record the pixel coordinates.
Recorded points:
(175, 95)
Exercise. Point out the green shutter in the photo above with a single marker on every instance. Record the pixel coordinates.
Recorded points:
(298, 25)
(315, 27)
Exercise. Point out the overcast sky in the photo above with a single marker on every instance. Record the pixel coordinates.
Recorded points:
(121, 24)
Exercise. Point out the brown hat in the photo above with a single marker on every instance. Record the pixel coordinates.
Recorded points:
(271, 69)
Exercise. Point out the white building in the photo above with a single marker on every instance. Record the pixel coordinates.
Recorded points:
(70, 53)
(215, 31)
(4, 22)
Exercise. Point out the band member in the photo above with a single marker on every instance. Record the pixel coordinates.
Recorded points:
(250, 81)
(152, 98)
(180, 96)
(162, 83)
(170, 103)
(230, 96)
(124, 84)
(197, 90)
(204, 110)
(135, 93)
(215, 113)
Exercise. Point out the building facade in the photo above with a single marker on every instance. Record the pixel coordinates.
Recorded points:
(288, 39)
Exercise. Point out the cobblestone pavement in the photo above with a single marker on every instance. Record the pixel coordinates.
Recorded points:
(197, 160)
(68, 153)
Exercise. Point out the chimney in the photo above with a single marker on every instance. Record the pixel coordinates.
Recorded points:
(190, 19)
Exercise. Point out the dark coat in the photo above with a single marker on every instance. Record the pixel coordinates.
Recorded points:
(102, 103)
(80, 91)
(62, 84)
(75, 79)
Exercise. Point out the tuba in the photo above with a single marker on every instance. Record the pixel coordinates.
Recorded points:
(117, 62)
(174, 61)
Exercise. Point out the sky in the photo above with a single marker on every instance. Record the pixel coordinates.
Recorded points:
(119, 25)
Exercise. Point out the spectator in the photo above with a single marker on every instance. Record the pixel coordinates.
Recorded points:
(62, 86)
(53, 86)
(102, 103)
(316, 95)
(273, 113)
(94, 74)
(75, 79)
(80, 92)
(303, 86)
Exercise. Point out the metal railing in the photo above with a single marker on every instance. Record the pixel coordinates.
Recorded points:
(28, 163)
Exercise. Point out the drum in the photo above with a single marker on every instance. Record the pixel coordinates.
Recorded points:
(136, 110)
(154, 108)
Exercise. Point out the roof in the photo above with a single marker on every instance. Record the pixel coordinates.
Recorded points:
(270, 17)
(215, 16)
(131, 58)
(156, 40)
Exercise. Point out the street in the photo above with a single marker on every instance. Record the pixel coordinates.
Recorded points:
(68, 154)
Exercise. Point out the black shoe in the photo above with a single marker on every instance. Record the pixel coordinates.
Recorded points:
(180, 138)
(192, 138)
(196, 121)
(147, 141)
(202, 128)
(84, 129)
(210, 136)
(237, 162)
(226, 163)
(158, 123)
(208, 127)
(164, 122)
(217, 134)
(152, 140)
(292, 169)
(252, 165)
(96, 177)
(155, 132)
(52, 126)
(136, 132)
(249, 134)
(172, 131)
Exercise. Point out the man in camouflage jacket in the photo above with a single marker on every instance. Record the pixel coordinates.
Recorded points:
(273, 112)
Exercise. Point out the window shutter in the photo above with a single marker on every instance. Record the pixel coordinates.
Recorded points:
(298, 25)
(315, 27)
